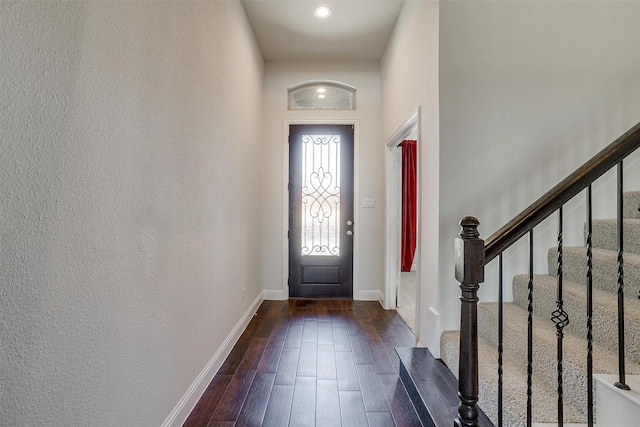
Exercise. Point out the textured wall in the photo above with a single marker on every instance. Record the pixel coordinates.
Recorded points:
(129, 203)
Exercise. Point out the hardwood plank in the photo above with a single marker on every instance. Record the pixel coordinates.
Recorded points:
(206, 406)
(270, 357)
(310, 331)
(253, 354)
(264, 330)
(327, 403)
(288, 366)
(303, 407)
(381, 358)
(341, 339)
(255, 405)
(346, 371)
(294, 336)
(404, 335)
(325, 333)
(380, 419)
(251, 329)
(352, 325)
(326, 362)
(398, 400)
(231, 363)
(324, 313)
(307, 362)
(361, 309)
(298, 355)
(352, 409)
(231, 403)
(298, 314)
(369, 331)
(279, 406)
(370, 386)
(279, 331)
(360, 349)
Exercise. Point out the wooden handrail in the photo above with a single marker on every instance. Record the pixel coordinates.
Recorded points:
(561, 193)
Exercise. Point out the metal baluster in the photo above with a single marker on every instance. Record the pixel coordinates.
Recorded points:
(500, 334)
(530, 332)
(589, 311)
(561, 319)
(621, 382)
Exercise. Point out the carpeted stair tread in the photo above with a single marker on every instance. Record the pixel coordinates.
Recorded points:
(544, 355)
(605, 268)
(631, 204)
(544, 398)
(605, 235)
(605, 311)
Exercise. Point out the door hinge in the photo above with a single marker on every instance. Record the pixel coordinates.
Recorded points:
(353, 127)
(287, 234)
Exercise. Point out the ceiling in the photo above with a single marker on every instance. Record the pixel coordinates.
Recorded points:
(356, 29)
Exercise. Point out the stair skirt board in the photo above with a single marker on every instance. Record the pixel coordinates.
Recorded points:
(605, 331)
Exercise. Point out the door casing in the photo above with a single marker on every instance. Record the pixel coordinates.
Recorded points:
(285, 201)
(393, 213)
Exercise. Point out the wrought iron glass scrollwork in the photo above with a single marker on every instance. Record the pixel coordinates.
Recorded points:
(321, 195)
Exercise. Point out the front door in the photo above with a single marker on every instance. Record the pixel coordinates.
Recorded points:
(321, 211)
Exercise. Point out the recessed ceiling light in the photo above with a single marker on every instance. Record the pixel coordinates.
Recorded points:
(321, 96)
(321, 90)
(322, 12)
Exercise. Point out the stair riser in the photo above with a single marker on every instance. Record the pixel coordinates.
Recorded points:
(605, 270)
(605, 235)
(605, 312)
(631, 204)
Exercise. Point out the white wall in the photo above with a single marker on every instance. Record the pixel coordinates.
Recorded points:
(369, 173)
(409, 72)
(528, 92)
(514, 96)
(129, 203)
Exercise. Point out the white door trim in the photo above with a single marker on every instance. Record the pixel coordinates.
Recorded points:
(393, 210)
(356, 194)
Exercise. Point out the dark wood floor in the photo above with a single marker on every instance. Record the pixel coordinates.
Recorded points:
(312, 363)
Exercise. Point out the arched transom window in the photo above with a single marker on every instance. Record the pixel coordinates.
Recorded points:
(322, 95)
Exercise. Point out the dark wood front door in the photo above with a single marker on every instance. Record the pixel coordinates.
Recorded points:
(321, 211)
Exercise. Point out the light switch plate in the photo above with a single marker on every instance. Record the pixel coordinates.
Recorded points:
(368, 203)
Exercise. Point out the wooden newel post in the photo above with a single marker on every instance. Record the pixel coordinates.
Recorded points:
(470, 273)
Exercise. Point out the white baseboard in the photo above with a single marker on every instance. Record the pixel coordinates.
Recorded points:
(274, 295)
(369, 295)
(184, 407)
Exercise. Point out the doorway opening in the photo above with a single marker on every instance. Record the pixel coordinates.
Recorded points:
(402, 288)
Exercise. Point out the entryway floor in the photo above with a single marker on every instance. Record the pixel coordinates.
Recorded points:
(312, 363)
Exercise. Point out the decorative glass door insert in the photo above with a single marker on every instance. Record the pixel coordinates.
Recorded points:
(321, 211)
(320, 195)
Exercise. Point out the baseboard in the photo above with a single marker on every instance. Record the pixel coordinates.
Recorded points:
(274, 295)
(369, 295)
(184, 407)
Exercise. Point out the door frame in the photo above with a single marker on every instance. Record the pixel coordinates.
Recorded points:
(356, 198)
(393, 210)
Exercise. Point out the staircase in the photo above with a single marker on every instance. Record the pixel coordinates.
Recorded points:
(605, 329)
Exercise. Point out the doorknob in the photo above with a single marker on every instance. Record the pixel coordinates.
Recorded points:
(351, 222)
(349, 233)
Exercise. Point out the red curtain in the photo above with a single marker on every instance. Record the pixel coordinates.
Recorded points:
(409, 201)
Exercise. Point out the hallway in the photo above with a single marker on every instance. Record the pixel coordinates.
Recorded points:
(312, 362)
